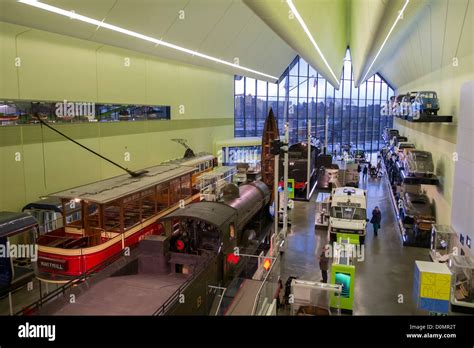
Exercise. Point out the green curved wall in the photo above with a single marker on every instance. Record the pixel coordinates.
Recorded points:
(55, 67)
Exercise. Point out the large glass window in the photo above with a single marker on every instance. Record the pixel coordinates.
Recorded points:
(353, 112)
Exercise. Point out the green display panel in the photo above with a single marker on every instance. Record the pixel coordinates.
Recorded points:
(351, 237)
(343, 275)
(291, 188)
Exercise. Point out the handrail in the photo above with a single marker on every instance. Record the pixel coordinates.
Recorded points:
(220, 301)
(259, 292)
(174, 297)
(17, 285)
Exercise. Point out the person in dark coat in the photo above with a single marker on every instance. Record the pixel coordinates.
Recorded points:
(364, 173)
(376, 219)
(279, 294)
(324, 265)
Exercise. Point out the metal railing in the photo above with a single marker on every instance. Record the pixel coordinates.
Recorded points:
(264, 286)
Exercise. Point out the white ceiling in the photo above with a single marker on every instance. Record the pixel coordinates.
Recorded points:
(225, 29)
(432, 41)
(264, 37)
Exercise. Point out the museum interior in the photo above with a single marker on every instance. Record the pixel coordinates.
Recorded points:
(237, 157)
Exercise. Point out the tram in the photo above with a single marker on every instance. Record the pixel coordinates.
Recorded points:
(105, 217)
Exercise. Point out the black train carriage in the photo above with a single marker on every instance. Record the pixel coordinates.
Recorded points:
(298, 167)
(219, 227)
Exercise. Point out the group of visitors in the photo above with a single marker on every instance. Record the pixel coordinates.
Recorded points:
(375, 171)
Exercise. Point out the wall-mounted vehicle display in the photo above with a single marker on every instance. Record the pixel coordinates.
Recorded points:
(396, 140)
(388, 134)
(443, 242)
(425, 103)
(403, 148)
(462, 294)
(418, 168)
(404, 145)
(17, 112)
(417, 217)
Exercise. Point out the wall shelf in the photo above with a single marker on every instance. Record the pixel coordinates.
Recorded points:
(431, 119)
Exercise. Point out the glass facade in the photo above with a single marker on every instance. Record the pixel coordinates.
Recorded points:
(302, 94)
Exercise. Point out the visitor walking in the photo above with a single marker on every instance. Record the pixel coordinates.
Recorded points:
(379, 168)
(279, 295)
(364, 172)
(324, 265)
(376, 219)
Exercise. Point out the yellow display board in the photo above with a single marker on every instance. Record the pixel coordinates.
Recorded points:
(436, 286)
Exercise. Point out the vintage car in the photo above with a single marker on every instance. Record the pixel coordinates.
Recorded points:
(403, 108)
(395, 141)
(395, 103)
(417, 216)
(403, 149)
(404, 145)
(412, 96)
(388, 134)
(425, 103)
(418, 163)
(401, 146)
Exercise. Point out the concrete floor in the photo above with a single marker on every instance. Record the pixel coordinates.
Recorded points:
(386, 271)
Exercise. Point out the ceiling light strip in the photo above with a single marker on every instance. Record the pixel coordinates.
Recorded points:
(102, 24)
(400, 15)
(311, 38)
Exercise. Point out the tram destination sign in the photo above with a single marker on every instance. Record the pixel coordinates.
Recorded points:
(52, 264)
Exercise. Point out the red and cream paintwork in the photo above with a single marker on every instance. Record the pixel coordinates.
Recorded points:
(66, 264)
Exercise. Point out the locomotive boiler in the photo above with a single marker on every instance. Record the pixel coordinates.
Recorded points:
(236, 221)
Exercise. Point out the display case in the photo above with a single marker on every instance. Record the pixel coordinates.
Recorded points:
(443, 242)
(312, 298)
(323, 201)
(462, 269)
